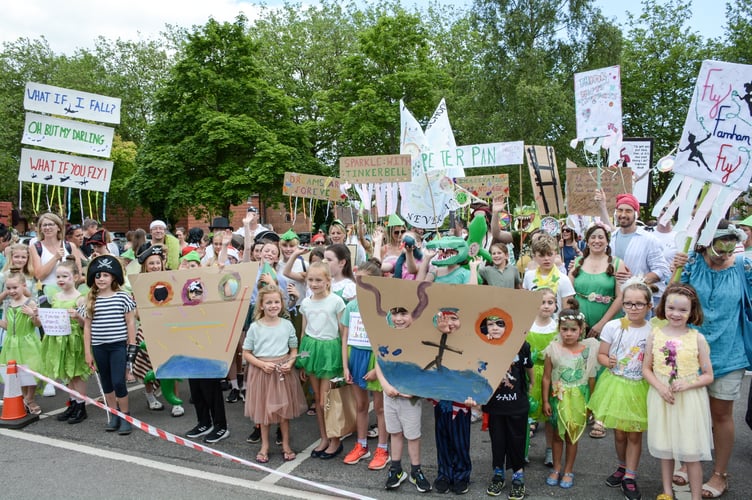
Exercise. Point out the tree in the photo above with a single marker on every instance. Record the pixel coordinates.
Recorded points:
(221, 132)
(655, 101)
(391, 62)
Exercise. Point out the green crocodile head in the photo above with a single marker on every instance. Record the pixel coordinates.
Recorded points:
(451, 250)
(526, 218)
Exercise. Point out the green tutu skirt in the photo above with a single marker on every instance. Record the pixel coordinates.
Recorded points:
(320, 358)
(536, 410)
(64, 356)
(620, 403)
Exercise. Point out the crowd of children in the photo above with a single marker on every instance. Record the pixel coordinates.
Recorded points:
(304, 324)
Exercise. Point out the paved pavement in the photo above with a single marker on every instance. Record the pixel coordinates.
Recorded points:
(50, 459)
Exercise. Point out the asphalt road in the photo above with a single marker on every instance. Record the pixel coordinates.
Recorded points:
(50, 459)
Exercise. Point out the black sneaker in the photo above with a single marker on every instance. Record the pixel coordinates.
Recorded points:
(496, 485)
(233, 396)
(630, 490)
(255, 436)
(216, 436)
(441, 485)
(225, 384)
(279, 436)
(395, 479)
(460, 487)
(242, 394)
(518, 490)
(198, 431)
(615, 479)
(420, 481)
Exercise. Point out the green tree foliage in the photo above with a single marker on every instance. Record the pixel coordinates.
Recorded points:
(391, 61)
(655, 102)
(221, 132)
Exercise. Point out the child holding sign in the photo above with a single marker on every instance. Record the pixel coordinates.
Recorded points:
(359, 365)
(63, 348)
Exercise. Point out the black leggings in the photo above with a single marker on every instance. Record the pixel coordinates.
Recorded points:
(110, 360)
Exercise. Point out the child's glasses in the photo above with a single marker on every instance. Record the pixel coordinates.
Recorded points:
(634, 305)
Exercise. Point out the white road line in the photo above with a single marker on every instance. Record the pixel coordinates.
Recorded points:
(174, 469)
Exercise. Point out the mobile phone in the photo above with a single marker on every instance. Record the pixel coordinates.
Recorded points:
(252, 209)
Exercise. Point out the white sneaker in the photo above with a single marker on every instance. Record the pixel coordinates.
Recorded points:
(153, 402)
(178, 411)
(49, 391)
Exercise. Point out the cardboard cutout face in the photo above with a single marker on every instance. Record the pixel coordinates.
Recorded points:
(433, 345)
(192, 318)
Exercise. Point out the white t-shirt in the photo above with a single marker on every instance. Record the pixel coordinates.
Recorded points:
(322, 316)
(628, 346)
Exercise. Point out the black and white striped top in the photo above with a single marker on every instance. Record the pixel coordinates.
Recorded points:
(108, 324)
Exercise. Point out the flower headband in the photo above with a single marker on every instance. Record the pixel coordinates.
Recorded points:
(572, 317)
(636, 280)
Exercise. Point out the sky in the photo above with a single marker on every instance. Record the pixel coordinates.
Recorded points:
(70, 24)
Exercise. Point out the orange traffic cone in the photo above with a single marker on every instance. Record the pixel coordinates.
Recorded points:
(14, 414)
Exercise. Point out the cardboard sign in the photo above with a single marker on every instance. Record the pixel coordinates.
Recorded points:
(637, 154)
(544, 177)
(717, 137)
(317, 187)
(192, 318)
(597, 101)
(485, 186)
(375, 169)
(431, 357)
(582, 183)
(56, 322)
(67, 135)
(58, 169)
(71, 103)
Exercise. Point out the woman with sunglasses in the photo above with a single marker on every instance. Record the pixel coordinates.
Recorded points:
(570, 247)
(720, 277)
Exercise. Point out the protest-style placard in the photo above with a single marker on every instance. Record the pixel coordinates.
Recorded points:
(544, 177)
(71, 103)
(637, 154)
(58, 169)
(375, 169)
(717, 138)
(582, 183)
(485, 186)
(478, 155)
(597, 99)
(56, 322)
(67, 135)
(316, 187)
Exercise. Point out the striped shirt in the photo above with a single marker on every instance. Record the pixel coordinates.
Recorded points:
(108, 324)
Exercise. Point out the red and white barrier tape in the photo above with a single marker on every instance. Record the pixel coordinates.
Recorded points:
(172, 438)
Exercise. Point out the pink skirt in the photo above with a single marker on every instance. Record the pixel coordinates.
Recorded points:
(270, 400)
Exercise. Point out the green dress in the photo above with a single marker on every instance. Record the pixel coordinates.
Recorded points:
(63, 355)
(538, 341)
(22, 342)
(595, 293)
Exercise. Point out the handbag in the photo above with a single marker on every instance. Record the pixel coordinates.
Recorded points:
(746, 311)
(339, 411)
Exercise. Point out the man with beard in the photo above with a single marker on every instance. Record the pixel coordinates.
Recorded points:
(641, 251)
(159, 236)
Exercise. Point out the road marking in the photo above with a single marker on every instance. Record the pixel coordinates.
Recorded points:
(173, 469)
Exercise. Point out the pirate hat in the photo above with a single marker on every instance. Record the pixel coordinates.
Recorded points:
(105, 264)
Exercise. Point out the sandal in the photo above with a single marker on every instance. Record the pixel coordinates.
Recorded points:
(710, 492)
(311, 411)
(553, 478)
(680, 478)
(33, 408)
(262, 458)
(289, 456)
(567, 481)
(533, 428)
(598, 431)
